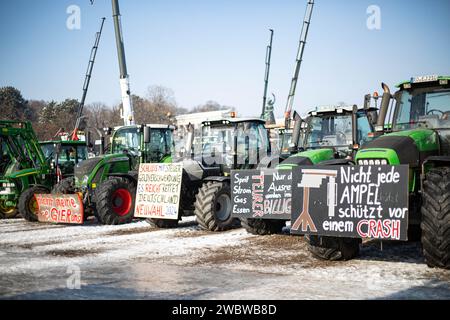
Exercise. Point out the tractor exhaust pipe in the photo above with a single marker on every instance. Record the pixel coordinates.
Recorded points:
(189, 141)
(385, 101)
(355, 137)
(296, 132)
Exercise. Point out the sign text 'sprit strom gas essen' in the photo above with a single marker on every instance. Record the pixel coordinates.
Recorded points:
(60, 208)
(158, 190)
(342, 201)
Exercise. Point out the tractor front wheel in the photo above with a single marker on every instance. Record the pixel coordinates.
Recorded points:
(333, 248)
(7, 212)
(262, 227)
(436, 218)
(213, 206)
(115, 200)
(28, 207)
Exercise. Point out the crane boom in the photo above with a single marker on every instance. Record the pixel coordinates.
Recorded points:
(87, 80)
(266, 76)
(127, 105)
(298, 62)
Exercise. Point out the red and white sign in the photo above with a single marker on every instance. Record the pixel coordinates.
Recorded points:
(60, 208)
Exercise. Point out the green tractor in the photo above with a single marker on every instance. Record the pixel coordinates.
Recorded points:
(420, 138)
(225, 145)
(24, 170)
(107, 184)
(332, 137)
(66, 154)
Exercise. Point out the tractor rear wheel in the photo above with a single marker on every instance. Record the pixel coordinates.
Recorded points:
(65, 186)
(27, 203)
(333, 248)
(115, 200)
(263, 227)
(436, 218)
(213, 206)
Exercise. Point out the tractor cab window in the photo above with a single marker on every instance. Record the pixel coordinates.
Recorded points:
(420, 108)
(364, 128)
(47, 149)
(252, 142)
(126, 140)
(329, 131)
(251, 139)
(73, 154)
(161, 144)
(217, 140)
(68, 153)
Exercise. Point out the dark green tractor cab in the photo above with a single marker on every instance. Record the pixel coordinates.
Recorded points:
(65, 154)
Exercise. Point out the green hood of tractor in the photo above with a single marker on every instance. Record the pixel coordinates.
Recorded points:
(97, 169)
(305, 158)
(404, 147)
(22, 173)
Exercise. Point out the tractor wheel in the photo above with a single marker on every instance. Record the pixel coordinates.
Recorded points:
(28, 204)
(65, 186)
(213, 206)
(115, 200)
(333, 248)
(7, 212)
(263, 227)
(436, 218)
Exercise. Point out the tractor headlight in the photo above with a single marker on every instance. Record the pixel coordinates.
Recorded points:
(7, 185)
(371, 162)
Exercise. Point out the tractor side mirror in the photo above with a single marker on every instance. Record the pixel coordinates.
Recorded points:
(147, 134)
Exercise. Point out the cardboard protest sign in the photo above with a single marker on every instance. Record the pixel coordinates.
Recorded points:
(60, 208)
(158, 190)
(261, 193)
(351, 201)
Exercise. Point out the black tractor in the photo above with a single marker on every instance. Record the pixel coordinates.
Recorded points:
(224, 145)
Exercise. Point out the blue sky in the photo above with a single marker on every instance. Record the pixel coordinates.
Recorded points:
(215, 50)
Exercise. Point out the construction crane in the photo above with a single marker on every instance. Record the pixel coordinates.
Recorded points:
(127, 105)
(267, 113)
(298, 62)
(87, 80)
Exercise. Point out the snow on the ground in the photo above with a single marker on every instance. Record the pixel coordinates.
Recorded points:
(192, 261)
